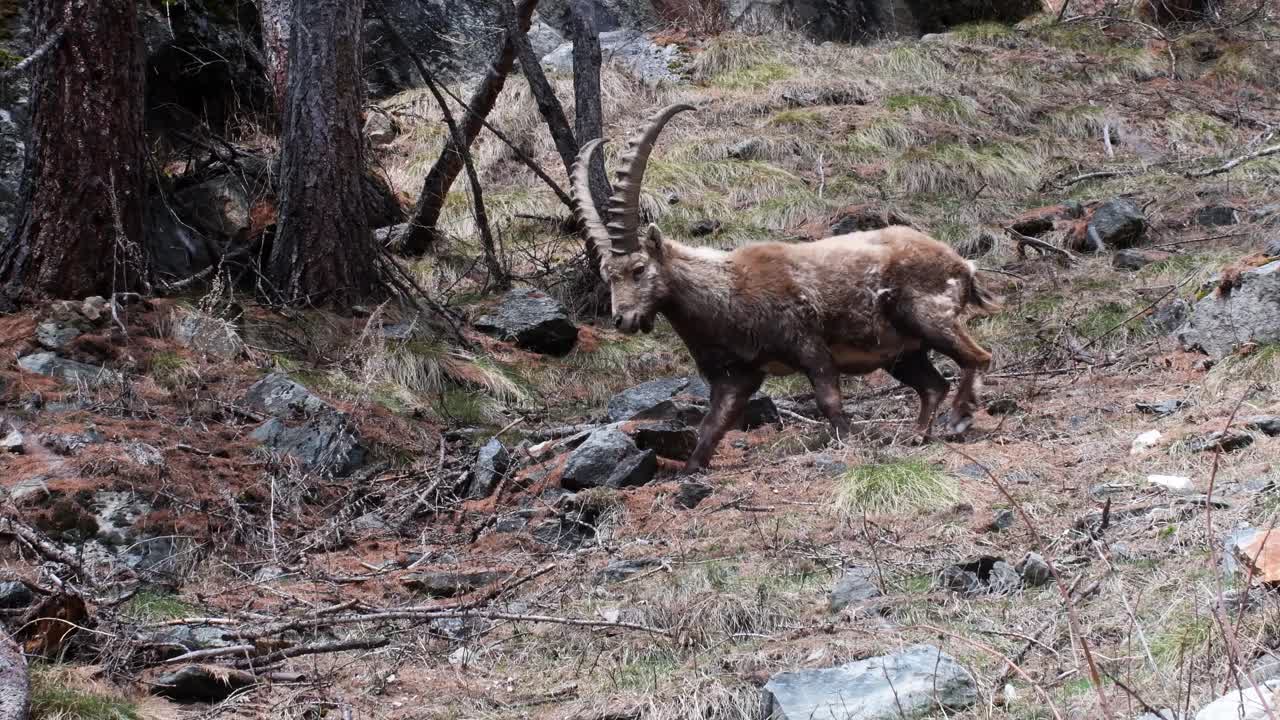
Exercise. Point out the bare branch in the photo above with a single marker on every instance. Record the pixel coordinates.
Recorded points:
(40, 52)
(1237, 162)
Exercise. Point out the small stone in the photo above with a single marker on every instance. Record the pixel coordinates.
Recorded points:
(210, 336)
(619, 570)
(608, 458)
(380, 129)
(93, 308)
(959, 580)
(1176, 483)
(1003, 579)
(1034, 570)
(1272, 248)
(14, 595)
(857, 585)
(28, 491)
(702, 228)
(1169, 316)
(11, 440)
(667, 439)
(691, 493)
(1117, 224)
(829, 466)
(68, 371)
(749, 149)
(492, 463)
(1217, 216)
(1220, 441)
(532, 320)
(1131, 259)
(1163, 407)
(1003, 520)
(1266, 424)
(1002, 406)
(446, 584)
(1145, 442)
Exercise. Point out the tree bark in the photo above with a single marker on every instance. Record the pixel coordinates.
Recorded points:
(548, 104)
(422, 224)
(15, 685)
(275, 41)
(587, 104)
(79, 229)
(323, 250)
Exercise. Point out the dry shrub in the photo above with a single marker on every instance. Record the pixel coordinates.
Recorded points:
(698, 17)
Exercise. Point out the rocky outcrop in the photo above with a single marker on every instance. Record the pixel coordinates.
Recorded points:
(630, 50)
(457, 39)
(1247, 313)
(301, 425)
(864, 20)
(608, 458)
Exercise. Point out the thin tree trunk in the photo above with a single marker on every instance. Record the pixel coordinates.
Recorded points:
(422, 224)
(323, 250)
(587, 103)
(79, 228)
(275, 41)
(496, 272)
(548, 104)
(15, 685)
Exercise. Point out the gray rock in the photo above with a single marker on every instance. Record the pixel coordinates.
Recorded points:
(1164, 714)
(11, 439)
(201, 683)
(27, 491)
(959, 580)
(644, 397)
(459, 629)
(1117, 224)
(543, 38)
(857, 585)
(1250, 312)
(682, 400)
(447, 584)
(702, 228)
(691, 493)
(1228, 441)
(380, 129)
(1231, 546)
(918, 681)
(1245, 704)
(210, 336)
(12, 151)
(608, 458)
(666, 439)
(490, 466)
(1002, 406)
(1134, 259)
(829, 466)
(870, 20)
(1003, 579)
(218, 208)
(1217, 215)
(630, 50)
(983, 574)
(391, 236)
(14, 595)
(53, 335)
(532, 320)
(619, 570)
(566, 533)
(748, 149)
(160, 559)
(1170, 316)
(1163, 407)
(321, 438)
(513, 521)
(457, 39)
(68, 444)
(1266, 424)
(1003, 520)
(1034, 570)
(68, 371)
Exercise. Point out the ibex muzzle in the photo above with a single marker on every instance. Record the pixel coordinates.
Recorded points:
(850, 304)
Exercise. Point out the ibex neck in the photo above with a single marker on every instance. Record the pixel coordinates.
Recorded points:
(698, 279)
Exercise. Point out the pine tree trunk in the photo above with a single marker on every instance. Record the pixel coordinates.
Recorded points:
(588, 115)
(323, 251)
(435, 189)
(79, 229)
(275, 41)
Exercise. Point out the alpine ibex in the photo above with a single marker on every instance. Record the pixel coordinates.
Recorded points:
(850, 304)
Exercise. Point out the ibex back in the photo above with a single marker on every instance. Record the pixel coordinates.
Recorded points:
(849, 304)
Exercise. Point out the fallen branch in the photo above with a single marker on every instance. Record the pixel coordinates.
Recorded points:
(40, 52)
(422, 614)
(43, 546)
(330, 647)
(1044, 247)
(1232, 164)
(1099, 175)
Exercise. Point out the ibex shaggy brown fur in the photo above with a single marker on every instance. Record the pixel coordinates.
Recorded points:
(850, 304)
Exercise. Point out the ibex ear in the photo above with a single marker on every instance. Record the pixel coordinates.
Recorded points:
(653, 242)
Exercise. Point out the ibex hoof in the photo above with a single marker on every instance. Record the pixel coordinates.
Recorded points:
(957, 425)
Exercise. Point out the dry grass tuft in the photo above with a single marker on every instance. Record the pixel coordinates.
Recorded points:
(895, 486)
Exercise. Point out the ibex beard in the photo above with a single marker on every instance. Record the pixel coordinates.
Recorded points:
(850, 304)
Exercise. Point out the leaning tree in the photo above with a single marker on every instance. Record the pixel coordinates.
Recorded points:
(323, 250)
(80, 224)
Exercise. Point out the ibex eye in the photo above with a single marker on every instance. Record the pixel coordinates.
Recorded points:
(638, 272)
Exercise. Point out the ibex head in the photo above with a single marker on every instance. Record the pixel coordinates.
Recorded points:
(631, 262)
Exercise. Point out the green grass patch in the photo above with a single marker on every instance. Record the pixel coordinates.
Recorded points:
(896, 485)
(911, 62)
(1197, 129)
(647, 671)
(167, 367)
(148, 606)
(962, 169)
(53, 699)
(798, 118)
(1105, 317)
(1076, 121)
(982, 32)
(754, 77)
(943, 107)
(1181, 636)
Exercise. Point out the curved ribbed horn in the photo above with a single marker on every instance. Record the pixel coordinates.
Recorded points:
(580, 193)
(624, 206)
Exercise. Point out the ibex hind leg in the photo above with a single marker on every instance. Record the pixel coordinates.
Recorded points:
(949, 336)
(914, 370)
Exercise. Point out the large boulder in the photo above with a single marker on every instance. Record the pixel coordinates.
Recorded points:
(1248, 313)
(68, 371)
(916, 682)
(11, 157)
(864, 20)
(1242, 704)
(608, 458)
(457, 39)
(301, 425)
(1117, 224)
(532, 320)
(631, 50)
(683, 400)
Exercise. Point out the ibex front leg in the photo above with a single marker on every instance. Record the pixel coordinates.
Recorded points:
(729, 396)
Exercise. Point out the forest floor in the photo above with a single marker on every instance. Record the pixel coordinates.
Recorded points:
(959, 134)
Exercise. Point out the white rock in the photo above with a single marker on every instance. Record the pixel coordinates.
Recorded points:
(1176, 483)
(1145, 442)
(1246, 705)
